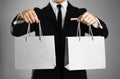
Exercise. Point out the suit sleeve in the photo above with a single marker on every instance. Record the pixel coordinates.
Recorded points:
(96, 31)
(21, 29)
(99, 31)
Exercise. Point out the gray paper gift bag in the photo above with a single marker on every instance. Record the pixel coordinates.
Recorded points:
(35, 52)
(85, 52)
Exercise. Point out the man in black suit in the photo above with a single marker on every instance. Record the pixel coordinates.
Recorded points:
(55, 20)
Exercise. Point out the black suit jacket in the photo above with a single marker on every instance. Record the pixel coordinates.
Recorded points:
(49, 27)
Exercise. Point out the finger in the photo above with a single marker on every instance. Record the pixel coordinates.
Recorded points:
(28, 17)
(32, 17)
(92, 22)
(85, 23)
(87, 18)
(35, 15)
(78, 19)
(84, 16)
(26, 20)
(21, 16)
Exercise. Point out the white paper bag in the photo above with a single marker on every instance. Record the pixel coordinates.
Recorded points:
(35, 53)
(85, 52)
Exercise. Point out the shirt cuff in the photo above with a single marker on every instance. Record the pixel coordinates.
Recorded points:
(99, 25)
(18, 21)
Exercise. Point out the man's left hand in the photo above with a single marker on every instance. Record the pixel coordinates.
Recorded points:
(88, 19)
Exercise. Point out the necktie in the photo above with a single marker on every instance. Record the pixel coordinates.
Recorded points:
(59, 17)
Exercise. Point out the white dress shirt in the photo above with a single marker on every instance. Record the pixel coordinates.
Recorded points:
(63, 9)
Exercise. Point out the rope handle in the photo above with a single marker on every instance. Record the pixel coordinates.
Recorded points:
(40, 31)
(28, 29)
(79, 29)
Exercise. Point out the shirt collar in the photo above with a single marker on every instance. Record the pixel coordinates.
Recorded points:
(64, 4)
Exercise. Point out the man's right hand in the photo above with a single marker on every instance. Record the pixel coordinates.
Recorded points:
(29, 16)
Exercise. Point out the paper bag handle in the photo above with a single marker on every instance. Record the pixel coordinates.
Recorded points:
(40, 31)
(79, 29)
(28, 30)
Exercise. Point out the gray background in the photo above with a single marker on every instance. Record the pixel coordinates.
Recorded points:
(107, 10)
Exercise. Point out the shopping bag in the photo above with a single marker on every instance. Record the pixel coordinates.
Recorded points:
(35, 52)
(85, 52)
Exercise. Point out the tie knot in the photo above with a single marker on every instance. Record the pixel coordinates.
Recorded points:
(59, 6)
